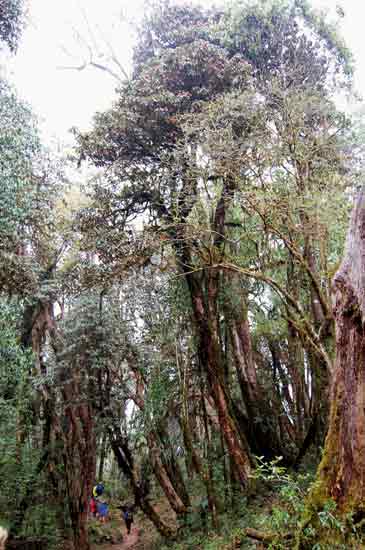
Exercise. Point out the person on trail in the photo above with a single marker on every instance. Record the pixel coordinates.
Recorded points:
(93, 506)
(203, 512)
(98, 490)
(128, 518)
(127, 513)
(102, 511)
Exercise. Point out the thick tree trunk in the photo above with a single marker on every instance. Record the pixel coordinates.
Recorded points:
(341, 474)
(79, 462)
(342, 470)
(79, 529)
(37, 321)
(79, 450)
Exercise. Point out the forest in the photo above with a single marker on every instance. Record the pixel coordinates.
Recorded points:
(183, 294)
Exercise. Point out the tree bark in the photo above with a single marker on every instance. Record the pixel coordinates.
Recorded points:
(262, 424)
(171, 465)
(77, 432)
(210, 357)
(204, 288)
(211, 494)
(79, 461)
(162, 476)
(37, 321)
(341, 473)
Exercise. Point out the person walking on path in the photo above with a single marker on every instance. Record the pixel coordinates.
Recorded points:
(127, 513)
(102, 511)
(93, 507)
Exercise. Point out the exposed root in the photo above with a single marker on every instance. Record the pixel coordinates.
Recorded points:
(266, 537)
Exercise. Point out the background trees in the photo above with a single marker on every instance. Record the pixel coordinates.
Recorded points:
(11, 21)
(173, 315)
(210, 125)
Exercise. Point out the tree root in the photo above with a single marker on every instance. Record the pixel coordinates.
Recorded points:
(266, 537)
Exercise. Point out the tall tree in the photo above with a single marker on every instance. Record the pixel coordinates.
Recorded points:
(224, 109)
(341, 473)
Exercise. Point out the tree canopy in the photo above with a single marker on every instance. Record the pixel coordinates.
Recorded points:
(11, 21)
(171, 317)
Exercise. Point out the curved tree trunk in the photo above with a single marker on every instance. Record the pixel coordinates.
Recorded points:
(262, 436)
(169, 462)
(125, 462)
(176, 494)
(162, 475)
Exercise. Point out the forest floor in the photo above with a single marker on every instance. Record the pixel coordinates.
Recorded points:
(130, 542)
(113, 535)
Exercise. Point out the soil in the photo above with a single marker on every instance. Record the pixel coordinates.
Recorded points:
(143, 534)
(130, 542)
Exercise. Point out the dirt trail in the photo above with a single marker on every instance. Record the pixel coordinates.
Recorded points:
(130, 542)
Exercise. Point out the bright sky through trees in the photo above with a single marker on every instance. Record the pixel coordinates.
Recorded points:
(65, 98)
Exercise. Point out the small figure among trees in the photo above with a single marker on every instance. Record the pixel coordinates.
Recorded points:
(127, 514)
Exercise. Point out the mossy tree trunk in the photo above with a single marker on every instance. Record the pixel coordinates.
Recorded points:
(341, 473)
(210, 357)
(79, 451)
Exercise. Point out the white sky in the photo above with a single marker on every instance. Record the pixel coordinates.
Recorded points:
(65, 98)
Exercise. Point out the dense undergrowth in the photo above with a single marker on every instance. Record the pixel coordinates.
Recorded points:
(272, 519)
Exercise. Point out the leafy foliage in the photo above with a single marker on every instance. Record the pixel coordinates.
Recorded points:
(11, 21)
(180, 316)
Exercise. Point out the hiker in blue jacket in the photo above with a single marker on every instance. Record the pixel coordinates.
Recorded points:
(127, 513)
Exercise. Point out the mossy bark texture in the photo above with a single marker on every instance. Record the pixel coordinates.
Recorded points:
(341, 473)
